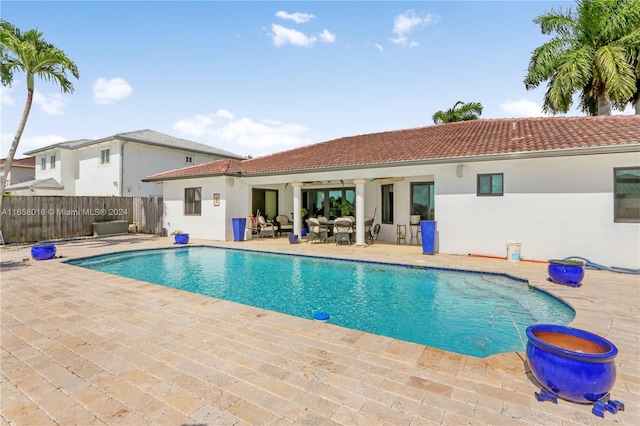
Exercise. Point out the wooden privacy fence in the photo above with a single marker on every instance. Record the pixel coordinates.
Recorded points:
(27, 219)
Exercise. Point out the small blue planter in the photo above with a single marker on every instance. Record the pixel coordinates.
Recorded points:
(570, 274)
(43, 251)
(572, 364)
(293, 239)
(181, 238)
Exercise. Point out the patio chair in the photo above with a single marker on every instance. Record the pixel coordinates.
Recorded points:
(368, 234)
(284, 224)
(376, 231)
(342, 230)
(317, 230)
(267, 229)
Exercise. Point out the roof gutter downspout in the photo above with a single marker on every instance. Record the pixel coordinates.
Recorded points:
(122, 168)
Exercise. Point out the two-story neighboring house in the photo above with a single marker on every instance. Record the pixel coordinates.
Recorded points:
(22, 170)
(114, 165)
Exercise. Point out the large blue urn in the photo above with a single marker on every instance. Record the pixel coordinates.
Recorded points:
(573, 364)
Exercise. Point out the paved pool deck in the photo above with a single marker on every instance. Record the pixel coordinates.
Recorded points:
(83, 347)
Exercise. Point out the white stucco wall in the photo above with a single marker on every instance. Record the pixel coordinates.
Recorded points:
(141, 160)
(214, 222)
(555, 207)
(63, 172)
(97, 179)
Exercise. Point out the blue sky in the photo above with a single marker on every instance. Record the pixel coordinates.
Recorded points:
(260, 77)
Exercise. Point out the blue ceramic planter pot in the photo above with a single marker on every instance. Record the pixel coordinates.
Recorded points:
(565, 273)
(43, 251)
(181, 238)
(293, 239)
(574, 364)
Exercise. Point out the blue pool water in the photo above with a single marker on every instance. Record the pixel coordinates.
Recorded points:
(463, 312)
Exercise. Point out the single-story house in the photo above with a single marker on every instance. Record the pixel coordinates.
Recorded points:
(561, 186)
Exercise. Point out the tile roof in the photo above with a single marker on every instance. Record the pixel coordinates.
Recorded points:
(439, 142)
(24, 162)
(149, 137)
(49, 183)
(66, 145)
(225, 166)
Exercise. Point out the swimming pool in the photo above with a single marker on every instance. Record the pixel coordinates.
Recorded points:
(464, 312)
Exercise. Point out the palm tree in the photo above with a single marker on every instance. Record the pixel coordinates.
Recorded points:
(591, 53)
(459, 112)
(30, 53)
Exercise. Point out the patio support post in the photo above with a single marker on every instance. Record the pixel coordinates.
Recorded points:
(360, 211)
(297, 205)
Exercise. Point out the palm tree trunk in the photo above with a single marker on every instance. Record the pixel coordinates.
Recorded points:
(14, 146)
(604, 104)
(637, 105)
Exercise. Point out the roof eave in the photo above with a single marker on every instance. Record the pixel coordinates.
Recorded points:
(204, 175)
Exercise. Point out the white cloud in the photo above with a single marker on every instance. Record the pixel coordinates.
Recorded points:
(405, 23)
(298, 18)
(282, 36)
(6, 95)
(522, 108)
(327, 36)
(379, 47)
(243, 136)
(28, 143)
(109, 91)
(52, 103)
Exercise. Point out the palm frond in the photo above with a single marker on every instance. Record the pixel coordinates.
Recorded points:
(544, 61)
(560, 22)
(615, 71)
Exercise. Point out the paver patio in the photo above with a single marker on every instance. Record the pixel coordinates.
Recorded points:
(84, 347)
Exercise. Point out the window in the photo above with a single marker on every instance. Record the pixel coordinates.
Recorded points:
(490, 184)
(423, 200)
(387, 203)
(53, 161)
(331, 202)
(626, 206)
(192, 201)
(265, 200)
(188, 159)
(43, 163)
(105, 155)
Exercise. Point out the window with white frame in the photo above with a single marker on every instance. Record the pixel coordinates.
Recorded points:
(43, 163)
(52, 161)
(105, 156)
(192, 201)
(188, 159)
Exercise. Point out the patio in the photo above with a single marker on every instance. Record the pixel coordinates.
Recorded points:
(84, 347)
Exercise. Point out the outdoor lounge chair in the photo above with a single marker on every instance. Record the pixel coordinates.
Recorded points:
(342, 230)
(317, 230)
(284, 224)
(267, 229)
